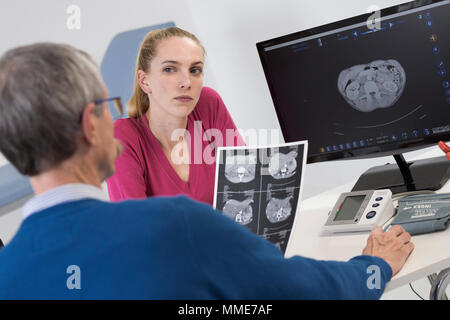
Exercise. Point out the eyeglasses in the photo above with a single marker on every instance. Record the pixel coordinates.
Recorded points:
(117, 103)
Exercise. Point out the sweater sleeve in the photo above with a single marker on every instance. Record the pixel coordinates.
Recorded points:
(128, 181)
(241, 265)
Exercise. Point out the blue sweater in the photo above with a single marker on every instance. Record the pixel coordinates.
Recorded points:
(164, 248)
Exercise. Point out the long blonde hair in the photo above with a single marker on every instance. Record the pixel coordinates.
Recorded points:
(139, 103)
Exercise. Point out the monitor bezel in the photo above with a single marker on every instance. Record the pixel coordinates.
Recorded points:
(358, 153)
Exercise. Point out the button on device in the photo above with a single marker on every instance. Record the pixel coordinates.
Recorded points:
(379, 199)
(375, 205)
(371, 214)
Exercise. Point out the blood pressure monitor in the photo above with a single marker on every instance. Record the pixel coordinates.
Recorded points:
(360, 211)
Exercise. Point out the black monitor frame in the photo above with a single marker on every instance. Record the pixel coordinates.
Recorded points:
(359, 153)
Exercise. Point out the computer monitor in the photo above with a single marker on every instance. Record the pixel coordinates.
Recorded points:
(372, 85)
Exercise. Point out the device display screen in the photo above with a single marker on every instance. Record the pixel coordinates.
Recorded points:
(349, 208)
(357, 88)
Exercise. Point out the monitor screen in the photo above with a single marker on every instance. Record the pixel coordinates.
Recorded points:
(359, 88)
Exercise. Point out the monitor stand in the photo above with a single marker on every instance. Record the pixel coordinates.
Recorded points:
(427, 174)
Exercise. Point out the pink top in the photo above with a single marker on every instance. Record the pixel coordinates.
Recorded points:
(143, 169)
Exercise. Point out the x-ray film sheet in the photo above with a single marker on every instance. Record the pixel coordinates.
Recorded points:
(260, 187)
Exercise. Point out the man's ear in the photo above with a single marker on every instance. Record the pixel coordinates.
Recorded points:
(143, 82)
(88, 123)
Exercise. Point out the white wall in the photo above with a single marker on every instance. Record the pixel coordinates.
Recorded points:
(25, 21)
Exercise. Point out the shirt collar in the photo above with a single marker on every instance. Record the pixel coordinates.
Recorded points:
(58, 195)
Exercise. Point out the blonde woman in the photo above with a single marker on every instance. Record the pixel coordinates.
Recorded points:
(175, 123)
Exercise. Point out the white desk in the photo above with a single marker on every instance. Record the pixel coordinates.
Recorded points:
(430, 255)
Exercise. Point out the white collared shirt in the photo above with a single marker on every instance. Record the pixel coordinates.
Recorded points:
(66, 193)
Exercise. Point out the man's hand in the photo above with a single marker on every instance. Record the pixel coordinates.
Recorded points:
(393, 246)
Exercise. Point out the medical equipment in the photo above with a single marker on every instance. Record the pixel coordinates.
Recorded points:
(423, 213)
(360, 211)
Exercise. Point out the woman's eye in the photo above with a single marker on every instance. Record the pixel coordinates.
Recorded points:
(168, 69)
(196, 71)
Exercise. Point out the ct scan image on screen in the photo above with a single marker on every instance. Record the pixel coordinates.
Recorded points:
(360, 87)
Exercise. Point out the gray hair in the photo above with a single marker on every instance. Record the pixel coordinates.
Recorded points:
(44, 88)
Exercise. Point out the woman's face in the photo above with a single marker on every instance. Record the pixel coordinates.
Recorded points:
(175, 78)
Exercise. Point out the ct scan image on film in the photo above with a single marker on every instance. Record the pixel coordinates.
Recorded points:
(260, 188)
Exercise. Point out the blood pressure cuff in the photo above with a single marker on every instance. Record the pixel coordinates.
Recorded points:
(423, 213)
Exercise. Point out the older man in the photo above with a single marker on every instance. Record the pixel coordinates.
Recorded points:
(55, 126)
